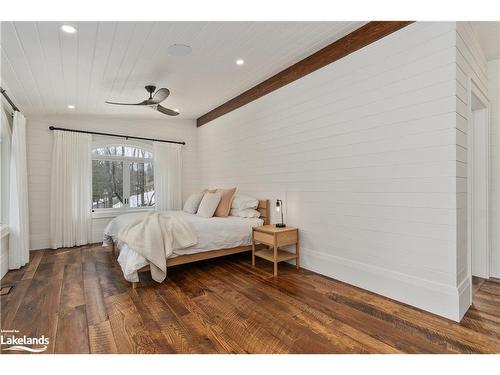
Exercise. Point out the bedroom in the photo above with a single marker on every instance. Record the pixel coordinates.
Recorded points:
(265, 187)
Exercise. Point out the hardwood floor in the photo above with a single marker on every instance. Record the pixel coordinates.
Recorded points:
(477, 282)
(79, 299)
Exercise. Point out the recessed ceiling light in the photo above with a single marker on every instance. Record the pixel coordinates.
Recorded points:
(176, 110)
(71, 106)
(240, 62)
(179, 50)
(68, 29)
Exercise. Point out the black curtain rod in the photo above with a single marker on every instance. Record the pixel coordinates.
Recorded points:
(8, 100)
(115, 135)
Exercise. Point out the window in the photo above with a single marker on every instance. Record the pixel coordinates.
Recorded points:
(122, 177)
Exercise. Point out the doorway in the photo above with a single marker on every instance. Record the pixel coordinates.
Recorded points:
(478, 186)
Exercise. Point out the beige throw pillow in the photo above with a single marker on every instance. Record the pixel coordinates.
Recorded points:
(226, 198)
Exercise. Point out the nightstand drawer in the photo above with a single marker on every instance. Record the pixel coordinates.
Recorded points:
(263, 237)
(286, 238)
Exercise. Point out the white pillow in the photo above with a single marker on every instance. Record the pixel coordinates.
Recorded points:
(208, 204)
(247, 212)
(241, 202)
(192, 203)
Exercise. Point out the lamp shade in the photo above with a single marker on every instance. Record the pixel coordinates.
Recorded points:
(279, 204)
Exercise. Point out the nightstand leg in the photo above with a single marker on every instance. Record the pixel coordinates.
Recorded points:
(253, 254)
(275, 260)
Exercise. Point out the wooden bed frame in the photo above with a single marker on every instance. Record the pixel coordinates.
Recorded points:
(263, 208)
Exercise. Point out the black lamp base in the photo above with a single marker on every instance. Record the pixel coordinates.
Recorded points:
(280, 225)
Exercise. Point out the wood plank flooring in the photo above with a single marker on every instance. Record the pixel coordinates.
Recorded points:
(78, 298)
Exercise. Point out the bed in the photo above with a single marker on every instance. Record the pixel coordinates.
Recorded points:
(217, 236)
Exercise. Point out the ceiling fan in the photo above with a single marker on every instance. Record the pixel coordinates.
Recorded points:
(154, 100)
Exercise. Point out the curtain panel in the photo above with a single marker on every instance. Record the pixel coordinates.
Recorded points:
(71, 190)
(19, 253)
(5, 139)
(168, 176)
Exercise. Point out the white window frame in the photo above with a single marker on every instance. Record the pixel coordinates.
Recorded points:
(127, 160)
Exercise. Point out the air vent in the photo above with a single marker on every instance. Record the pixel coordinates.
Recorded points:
(4, 290)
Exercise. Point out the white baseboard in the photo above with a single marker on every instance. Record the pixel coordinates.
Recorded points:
(440, 299)
(495, 267)
(464, 297)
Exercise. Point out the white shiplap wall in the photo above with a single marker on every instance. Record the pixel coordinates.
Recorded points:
(40, 155)
(494, 96)
(471, 65)
(364, 153)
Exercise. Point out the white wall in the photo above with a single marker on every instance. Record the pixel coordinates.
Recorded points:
(494, 96)
(471, 65)
(40, 155)
(364, 153)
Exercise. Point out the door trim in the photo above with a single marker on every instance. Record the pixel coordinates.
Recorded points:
(475, 90)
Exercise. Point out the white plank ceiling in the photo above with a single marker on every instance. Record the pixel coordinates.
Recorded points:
(44, 69)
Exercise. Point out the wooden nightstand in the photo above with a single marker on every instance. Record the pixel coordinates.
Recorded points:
(275, 237)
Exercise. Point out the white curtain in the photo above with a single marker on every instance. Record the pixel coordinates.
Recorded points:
(168, 176)
(5, 139)
(71, 190)
(19, 252)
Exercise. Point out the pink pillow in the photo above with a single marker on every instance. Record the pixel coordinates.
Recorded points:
(227, 196)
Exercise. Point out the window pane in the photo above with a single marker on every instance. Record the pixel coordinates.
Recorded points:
(142, 189)
(107, 184)
(136, 152)
(112, 150)
(122, 150)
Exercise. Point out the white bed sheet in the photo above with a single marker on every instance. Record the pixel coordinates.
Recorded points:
(213, 234)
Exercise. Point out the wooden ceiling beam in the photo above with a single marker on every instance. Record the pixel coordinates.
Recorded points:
(359, 38)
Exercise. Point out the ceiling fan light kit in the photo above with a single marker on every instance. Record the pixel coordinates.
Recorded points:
(153, 101)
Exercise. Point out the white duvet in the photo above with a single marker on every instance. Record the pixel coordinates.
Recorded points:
(212, 233)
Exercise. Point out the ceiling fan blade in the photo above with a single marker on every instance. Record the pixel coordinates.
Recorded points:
(160, 96)
(144, 102)
(166, 111)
